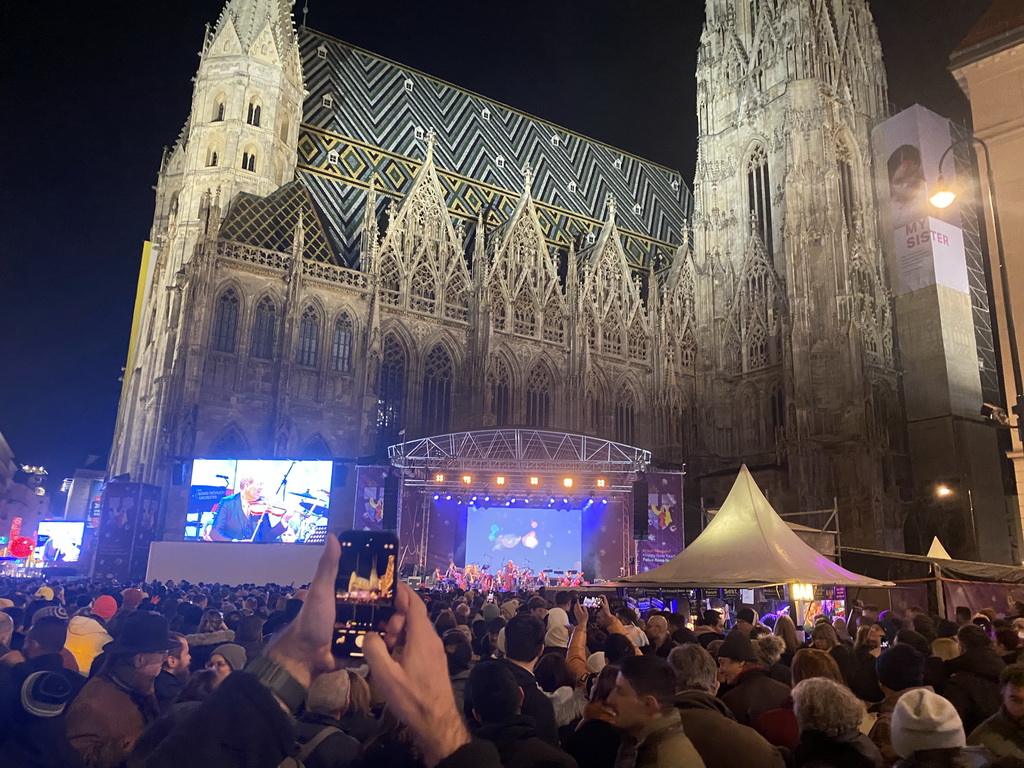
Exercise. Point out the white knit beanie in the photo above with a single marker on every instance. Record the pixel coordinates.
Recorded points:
(925, 720)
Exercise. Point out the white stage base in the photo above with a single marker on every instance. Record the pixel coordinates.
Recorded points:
(232, 562)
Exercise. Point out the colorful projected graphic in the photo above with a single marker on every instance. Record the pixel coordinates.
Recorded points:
(59, 542)
(259, 500)
(536, 538)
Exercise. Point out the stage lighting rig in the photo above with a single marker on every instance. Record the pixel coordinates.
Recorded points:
(499, 480)
(534, 480)
(467, 479)
(567, 482)
(602, 483)
(438, 478)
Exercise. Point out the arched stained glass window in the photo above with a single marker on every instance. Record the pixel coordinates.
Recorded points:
(264, 328)
(500, 382)
(538, 398)
(625, 419)
(391, 391)
(759, 195)
(225, 321)
(438, 374)
(341, 344)
(309, 338)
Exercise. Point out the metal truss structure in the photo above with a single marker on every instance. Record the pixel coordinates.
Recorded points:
(516, 452)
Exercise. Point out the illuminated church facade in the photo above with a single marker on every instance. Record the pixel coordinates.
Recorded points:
(347, 253)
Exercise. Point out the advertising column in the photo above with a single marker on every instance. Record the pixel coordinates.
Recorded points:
(664, 520)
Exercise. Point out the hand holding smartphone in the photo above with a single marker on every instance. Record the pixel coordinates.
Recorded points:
(364, 590)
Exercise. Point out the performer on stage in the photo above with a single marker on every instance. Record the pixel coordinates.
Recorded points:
(243, 517)
(510, 576)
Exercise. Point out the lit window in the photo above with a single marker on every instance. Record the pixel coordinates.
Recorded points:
(332, 157)
(321, 52)
(327, 101)
(408, 85)
(572, 186)
(486, 114)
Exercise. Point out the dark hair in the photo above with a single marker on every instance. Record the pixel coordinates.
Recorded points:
(962, 611)
(50, 633)
(946, 628)
(604, 683)
(250, 629)
(813, 662)
(445, 620)
(17, 616)
(925, 626)
(915, 640)
(626, 614)
(460, 653)
(200, 685)
(1008, 639)
(524, 637)
(552, 672)
(232, 619)
(1012, 674)
(537, 602)
(176, 651)
(493, 691)
(563, 598)
(712, 617)
(617, 647)
(973, 636)
(900, 667)
(651, 676)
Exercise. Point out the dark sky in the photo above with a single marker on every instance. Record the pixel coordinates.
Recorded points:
(92, 91)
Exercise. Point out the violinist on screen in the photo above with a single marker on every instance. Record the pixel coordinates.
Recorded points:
(243, 516)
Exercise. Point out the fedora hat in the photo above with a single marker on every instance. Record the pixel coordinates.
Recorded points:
(143, 633)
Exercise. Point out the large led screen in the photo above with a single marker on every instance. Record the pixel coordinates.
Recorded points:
(259, 500)
(538, 539)
(59, 542)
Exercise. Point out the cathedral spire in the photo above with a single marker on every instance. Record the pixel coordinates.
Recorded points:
(250, 17)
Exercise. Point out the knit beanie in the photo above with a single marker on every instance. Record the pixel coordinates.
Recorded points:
(924, 720)
(737, 646)
(233, 654)
(900, 667)
(104, 606)
(56, 611)
(132, 597)
(491, 611)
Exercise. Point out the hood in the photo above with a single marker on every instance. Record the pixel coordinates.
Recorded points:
(703, 629)
(85, 625)
(211, 638)
(702, 700)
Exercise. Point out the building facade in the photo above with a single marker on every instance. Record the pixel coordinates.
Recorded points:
(347, 253)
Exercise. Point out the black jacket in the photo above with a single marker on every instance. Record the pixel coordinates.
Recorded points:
(519, 747)
(855, 750)
(167, 686)
(753, 694)
(594, 744)
(973, 685)
(536, 704)
(710, 726)
(339, 750)
(864, 682)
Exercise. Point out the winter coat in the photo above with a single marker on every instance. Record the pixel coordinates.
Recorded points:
(568, 704)
(27, 741)
(459, 681)
(106, 719)
(781, 672)
(779, 727)
(662, 744)
(710, 725)
(86, 638)
(864, 680)
(956, 757)
(973, 685)
(853, 750)
(753, 694)
(338, 750)
(707, 635)
(167, 688)
(1000, 735)
(881, 731)
(202, 645)
(519, 747)
(535, 703)
(594, 744)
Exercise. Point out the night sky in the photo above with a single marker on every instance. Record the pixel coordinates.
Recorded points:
(91, 92)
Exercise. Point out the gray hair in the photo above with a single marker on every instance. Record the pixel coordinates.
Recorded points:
(694, 668)
(329, 693)
(824, 705)
(6, 624)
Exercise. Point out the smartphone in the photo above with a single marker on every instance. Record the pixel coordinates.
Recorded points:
(364, 591)
(592, 602)
(490, 597)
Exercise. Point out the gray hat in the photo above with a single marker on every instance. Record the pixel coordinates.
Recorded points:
(50, 610)
(737, 646)
(233, 654)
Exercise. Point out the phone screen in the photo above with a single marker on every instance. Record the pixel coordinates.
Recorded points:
(364, 591)
(592, 602)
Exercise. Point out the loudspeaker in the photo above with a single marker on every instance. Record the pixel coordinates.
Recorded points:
(640, 532)
(179, 472)
(340, 477)
(390, 521)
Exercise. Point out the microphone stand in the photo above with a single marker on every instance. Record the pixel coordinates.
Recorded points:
(282, 489)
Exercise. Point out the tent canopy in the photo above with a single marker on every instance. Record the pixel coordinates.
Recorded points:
(748, 545)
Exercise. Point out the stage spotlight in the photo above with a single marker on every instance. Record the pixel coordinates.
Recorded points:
(436, 497)
(467, 479)
(534, 480)
(513, 500)
(567, 482)
(601, 482)
(438, 478)
(565, 501)
(487, 498)
(604, 501)
(551, 501)
(499, 480)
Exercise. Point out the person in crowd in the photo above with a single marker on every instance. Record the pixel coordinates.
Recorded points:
(945, 648)
(899, 669)
(866, 650)
(842, 630)
(42, 652)
(524, 644)
(963, 615)
(706, 719)
(323, 742)
(282, 618)
(113, 709)
(250, 635)
(174, 674)
(746, 619)
(973, 684)
(643, 707)
(188, 619)
(556, 680)
(824, 638)
(629, 620)
(786, 629)
(616, 645)
(1002, 734)
(753, 692)
(595, 742)
(212, 632)
(358, 721)
(769, 651)
(557, 622)
(829, 716)
(778, 726)
(17, 639)
(1007, 645)
(934, 667)
(32, 727)
(6, 631)
(497, 706)
(538, 607)
(445, 621)
(712, 627)
(661, 642)
(927, 732)
(87, 633)
(460, 659)
(227, 658)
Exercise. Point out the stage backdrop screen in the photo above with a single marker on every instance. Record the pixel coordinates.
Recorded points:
(59, 542)
(259, 500)
(538, 539)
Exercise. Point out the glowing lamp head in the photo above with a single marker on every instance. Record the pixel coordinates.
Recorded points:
(534, 480)
(943, 196)
(499, 480)
(943, 491)
(567, 482)
(602, 483)
(438, 478)
(467, 479)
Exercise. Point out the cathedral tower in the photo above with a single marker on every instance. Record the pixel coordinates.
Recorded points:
(796, 361)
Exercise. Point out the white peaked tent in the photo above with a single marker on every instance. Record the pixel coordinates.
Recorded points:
(936, 551)
(748, 545)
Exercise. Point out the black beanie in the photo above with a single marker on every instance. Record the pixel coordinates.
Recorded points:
(737, 646)
(900, 667)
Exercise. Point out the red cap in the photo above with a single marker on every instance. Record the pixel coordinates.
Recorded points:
(104, 606)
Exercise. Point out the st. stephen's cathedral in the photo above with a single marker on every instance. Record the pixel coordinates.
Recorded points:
(347, 253)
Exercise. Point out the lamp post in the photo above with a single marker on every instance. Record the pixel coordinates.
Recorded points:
(943, 197)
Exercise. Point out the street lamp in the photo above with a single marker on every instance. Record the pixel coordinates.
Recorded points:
(943, 197)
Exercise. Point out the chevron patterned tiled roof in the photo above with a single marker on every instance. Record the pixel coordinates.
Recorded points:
(367, 117)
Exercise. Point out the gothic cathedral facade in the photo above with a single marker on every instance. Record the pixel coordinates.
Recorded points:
(347, 253)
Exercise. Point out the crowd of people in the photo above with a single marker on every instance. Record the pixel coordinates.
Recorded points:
(176, 674)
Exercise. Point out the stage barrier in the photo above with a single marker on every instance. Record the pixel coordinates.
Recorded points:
(232, 562)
